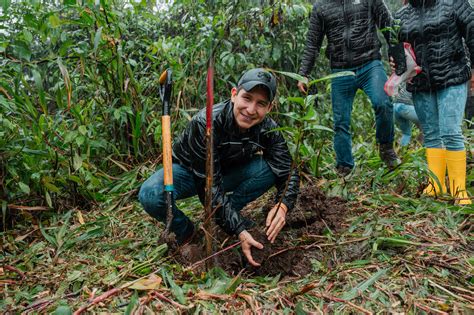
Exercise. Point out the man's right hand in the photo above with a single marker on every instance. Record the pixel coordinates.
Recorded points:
(302, 87)
(247, 243)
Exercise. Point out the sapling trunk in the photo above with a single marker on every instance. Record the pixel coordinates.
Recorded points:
(209, 158)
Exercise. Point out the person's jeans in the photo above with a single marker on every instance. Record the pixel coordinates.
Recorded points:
(371, 78)
(405, 117)
(247, 182)
(440, 113)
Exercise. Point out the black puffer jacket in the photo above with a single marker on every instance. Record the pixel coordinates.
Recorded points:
(435, 29)
(350, 27)
(232, 148)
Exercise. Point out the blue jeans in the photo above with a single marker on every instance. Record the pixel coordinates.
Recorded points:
(440, 113)
(371, 78)
(405, 117)
(247, 182)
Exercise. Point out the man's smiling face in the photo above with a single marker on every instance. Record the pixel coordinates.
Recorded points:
(250, 107)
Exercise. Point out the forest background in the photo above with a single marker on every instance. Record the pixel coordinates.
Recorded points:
(80, 131)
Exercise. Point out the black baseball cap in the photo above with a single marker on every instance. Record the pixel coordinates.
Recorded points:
(259, 76)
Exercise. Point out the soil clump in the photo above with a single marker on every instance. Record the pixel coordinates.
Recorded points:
(291, 254)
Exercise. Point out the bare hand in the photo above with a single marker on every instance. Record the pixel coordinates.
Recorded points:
(392, 64)
(276, 220)
(302, 87)
(247, 243)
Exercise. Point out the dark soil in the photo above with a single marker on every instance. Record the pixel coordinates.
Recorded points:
(295, 247)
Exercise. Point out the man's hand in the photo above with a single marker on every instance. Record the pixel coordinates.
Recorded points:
(392, 64)
(275, 221)
(247, 243)
(302, 87)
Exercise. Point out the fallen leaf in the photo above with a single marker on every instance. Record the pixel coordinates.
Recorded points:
(151, 283)
(80, 218)
(22, 237)
(202, 295)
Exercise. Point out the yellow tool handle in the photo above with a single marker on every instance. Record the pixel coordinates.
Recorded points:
(167, 159)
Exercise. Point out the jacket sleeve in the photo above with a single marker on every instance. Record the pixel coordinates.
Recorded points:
(314, 41)
(231, 221)
(465, 21)
(383, 18)
(279, 159)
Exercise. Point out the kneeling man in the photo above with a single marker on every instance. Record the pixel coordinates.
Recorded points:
(249, 158)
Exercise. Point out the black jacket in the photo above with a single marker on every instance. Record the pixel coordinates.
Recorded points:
(435, 29)
(232, 148)
(351, 30)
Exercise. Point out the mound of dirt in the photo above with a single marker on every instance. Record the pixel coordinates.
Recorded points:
(292, 251)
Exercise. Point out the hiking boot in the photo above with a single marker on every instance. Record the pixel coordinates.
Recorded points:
(388, 155)
(343, 171)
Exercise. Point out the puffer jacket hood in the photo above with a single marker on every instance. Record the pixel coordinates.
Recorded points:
(232, 148)
(437, 34)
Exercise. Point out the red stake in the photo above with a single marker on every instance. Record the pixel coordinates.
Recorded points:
(209, 156)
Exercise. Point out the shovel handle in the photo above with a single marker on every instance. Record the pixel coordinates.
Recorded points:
(167, 160)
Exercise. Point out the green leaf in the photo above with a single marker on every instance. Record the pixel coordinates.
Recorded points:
(97, 37)
(333, 76)
(82, 130)
(54, 20)
(176, 290)
(132, 305)
(62, 310)
(318, 127)
(292, 75)
(94, 232)
(363, 286)
(48, 237)
(24, 188)
(80, 140)
(51, 187)
(6, 4)
(28, 36)
(48, 199)
(22, 50)
(233, 284)
(30, 20)
(298, 100)
(77, 162)
(132, 62)
(388, 242)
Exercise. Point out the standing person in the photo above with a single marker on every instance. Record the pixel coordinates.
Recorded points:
(405, 114)
(436, 30)
(249, 158)
(351, 30)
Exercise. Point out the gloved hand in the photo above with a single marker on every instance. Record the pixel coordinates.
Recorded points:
(397, 52)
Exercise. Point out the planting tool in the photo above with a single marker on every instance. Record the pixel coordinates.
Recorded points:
(166, 85)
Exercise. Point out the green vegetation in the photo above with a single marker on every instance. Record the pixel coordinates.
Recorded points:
(80, 130)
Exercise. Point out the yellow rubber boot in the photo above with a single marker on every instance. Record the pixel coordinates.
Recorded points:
(436, 158)
(456, 161)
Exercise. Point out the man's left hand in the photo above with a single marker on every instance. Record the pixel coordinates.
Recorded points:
(275, 221)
